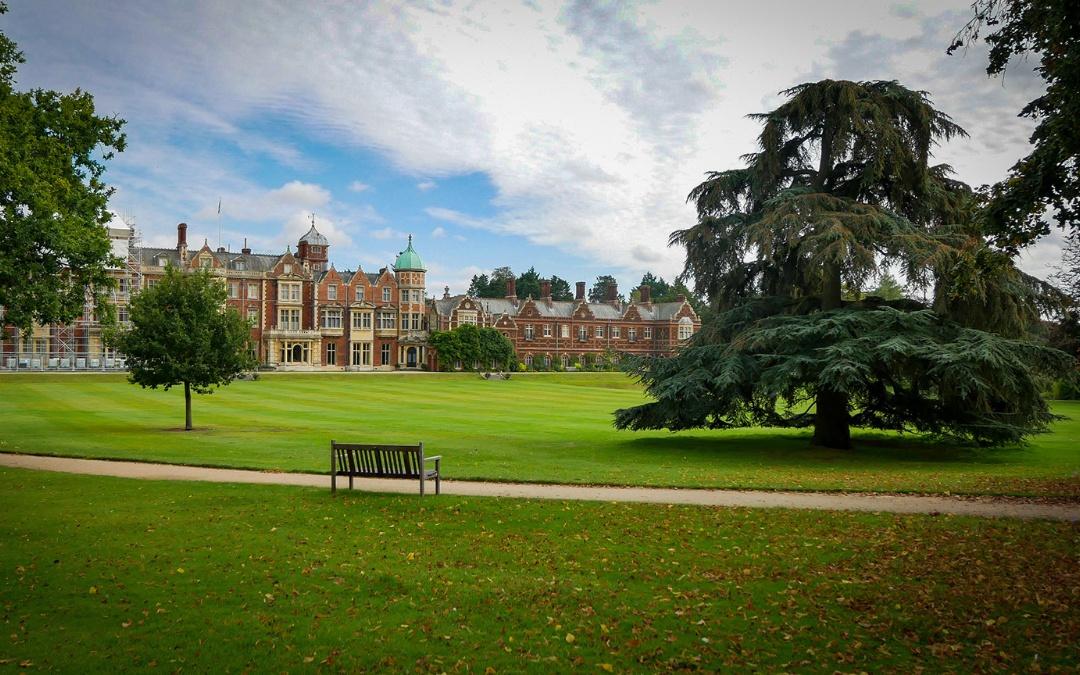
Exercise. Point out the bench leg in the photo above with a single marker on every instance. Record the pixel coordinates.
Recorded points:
(421, 482)
(333, 483)
(438, 487)
(350, 481)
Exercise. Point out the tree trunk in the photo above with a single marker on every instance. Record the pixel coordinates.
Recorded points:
(187, 407)
(831, 422)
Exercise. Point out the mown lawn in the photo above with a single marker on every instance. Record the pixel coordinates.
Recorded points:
(554, 428)
(106, 574)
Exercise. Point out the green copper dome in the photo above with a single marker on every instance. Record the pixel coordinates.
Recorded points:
(409, 260)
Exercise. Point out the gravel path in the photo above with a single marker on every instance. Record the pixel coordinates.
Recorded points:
(987, 507)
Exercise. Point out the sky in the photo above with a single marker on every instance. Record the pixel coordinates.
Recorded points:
(564, 136)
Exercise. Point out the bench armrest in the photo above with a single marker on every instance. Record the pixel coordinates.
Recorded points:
(433, 458)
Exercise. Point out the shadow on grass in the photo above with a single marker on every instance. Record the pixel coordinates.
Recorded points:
(783, 446)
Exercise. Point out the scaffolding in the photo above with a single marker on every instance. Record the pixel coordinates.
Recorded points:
(78, 345)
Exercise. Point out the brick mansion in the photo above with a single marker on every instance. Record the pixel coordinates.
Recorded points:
(308, 315)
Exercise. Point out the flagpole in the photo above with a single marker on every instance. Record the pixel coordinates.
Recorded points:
(219, 222)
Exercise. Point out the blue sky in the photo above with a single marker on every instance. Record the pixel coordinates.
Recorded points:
(560, 135)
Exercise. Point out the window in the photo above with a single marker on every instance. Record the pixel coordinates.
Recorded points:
(331, 354)
(123, 285)
(359, 294)
(331, 318)
(386, 321)
(253, 314)
(122, 314)
(361, 320)
(547, 330)
(288, 291)
(631, 334)
(204, 262)
(616, 331)
(648, 333)
(529, 332)
(331, 292)
(467, 317)
(289, 319)
(361, 354)
(295, 352)
(234, 290)
(528, 360)
(582, 333)
(150, 283)
(384, 356)
(239, 266)
(564, 331)
(418, 296)
(287, 268)
(404, 296)
(686, 328)
(599, 331)
(414, 324)
(252, 291)
(386, 295)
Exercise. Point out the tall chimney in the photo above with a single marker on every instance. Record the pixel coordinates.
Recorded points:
(646, 294)
(612, 293)
(511, 289)
(245, 250)
(580, 291)
(181, 242)
(545, 290)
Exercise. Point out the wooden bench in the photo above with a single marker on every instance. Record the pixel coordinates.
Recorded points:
(381, 461)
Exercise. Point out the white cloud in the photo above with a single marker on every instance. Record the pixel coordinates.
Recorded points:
(386, 233)
(426, 185)
(357, 186)
(591, 121)
(438, 232)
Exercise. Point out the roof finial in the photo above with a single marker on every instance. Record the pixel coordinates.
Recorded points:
(410, 241)
(313, 219)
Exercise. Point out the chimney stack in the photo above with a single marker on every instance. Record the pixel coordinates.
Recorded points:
(545, 291)
(580, 291)
(181, 242)
(245, 250)
(646, 294)
(511, 289)
(680, 298)
(612, 294)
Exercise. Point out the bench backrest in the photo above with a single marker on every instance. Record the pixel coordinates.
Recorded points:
(374, 461)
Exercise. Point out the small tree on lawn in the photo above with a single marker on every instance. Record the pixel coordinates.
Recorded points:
(182, 333)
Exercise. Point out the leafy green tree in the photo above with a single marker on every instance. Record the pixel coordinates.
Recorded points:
(53, 246)
(560, 289)
(657, 285)
(840, 184)
(528, 284)
(598, 292)
(1049, 177)
(182, 333)
(888, 288)
(472, 347)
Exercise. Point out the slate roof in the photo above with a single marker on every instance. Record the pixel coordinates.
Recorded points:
(561, 309)
(253, 262)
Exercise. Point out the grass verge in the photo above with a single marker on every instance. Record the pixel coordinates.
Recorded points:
(107, 574)
(550, 428)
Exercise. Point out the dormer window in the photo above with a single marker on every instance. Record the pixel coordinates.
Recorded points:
(287, 268)
(239, 266)
(386, 294)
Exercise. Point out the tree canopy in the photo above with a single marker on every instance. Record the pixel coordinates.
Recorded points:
(840, 190)
(473, 347)
(182, 333)
(1049, 177)
(527, 285)
(53, 246)
(599, 289)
